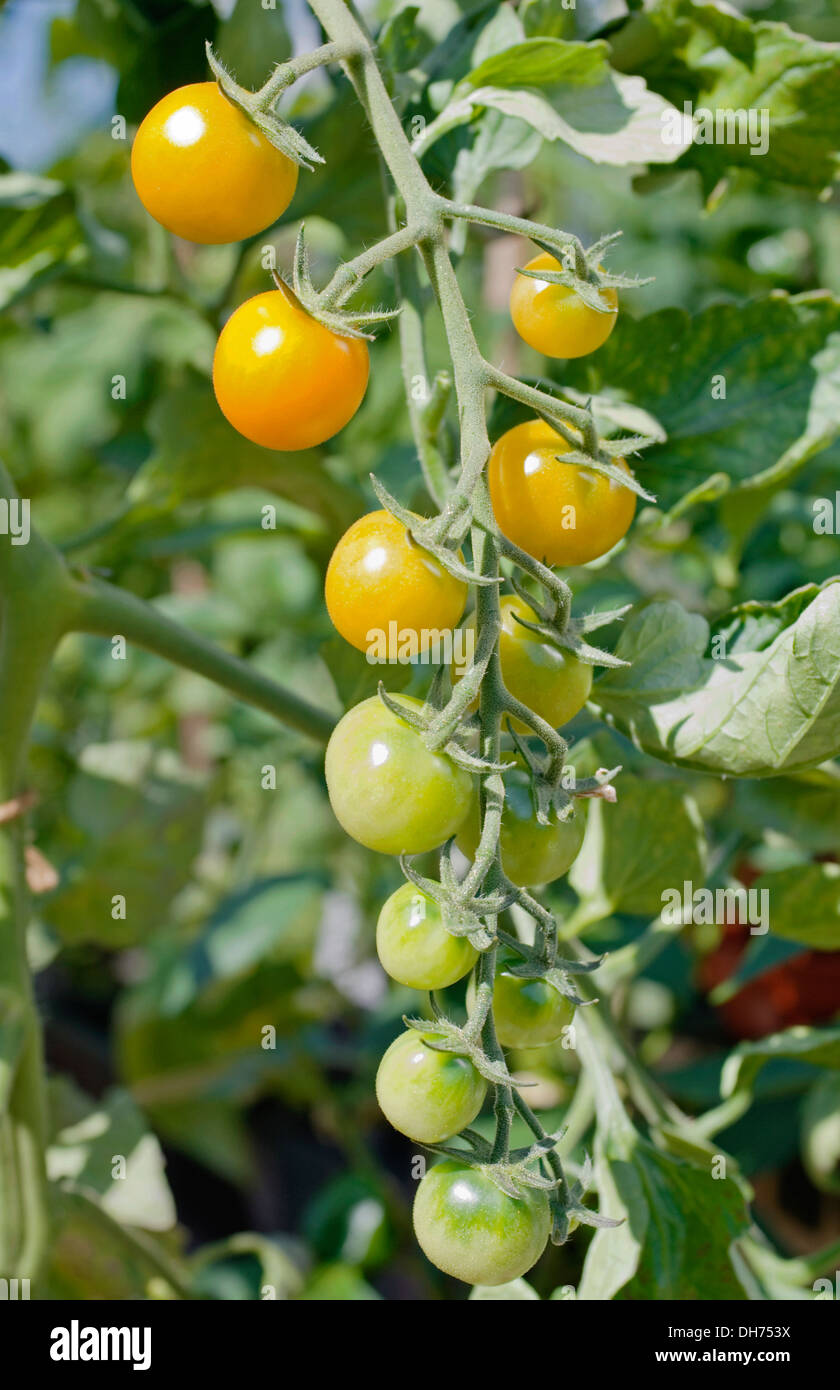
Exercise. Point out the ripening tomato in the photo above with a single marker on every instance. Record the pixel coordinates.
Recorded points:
(471, 1229)
(527, 1013)
(558, 512)
(387, 790)
(553, 318)
(205, 172)
(531, 853)
(427, 1094)
(414, 946)
(283, 379)
(379, 576)
(552, 682)
(802, 990)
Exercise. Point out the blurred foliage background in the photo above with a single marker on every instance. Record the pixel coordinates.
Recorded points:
(248, 909)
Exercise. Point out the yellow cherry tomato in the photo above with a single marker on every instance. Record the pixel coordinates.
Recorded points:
(377, 577)
(205, 172)
(550, 681)
(283, 379)
(558, 512)
(553, 318)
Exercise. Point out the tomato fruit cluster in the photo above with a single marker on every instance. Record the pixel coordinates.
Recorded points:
(282, 378)
(392, 794)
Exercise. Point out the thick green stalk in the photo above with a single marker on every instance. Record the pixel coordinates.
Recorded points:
(109, 611)
(37, 603)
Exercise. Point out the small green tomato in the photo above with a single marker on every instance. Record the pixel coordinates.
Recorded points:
(414, 946)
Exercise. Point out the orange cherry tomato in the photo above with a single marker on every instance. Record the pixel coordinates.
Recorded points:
(205, 172)
(553, 318)
(558, 512)
(283, 379)
(378, 576)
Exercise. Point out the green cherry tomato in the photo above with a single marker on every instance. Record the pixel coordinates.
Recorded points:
(427, 1094)
(531, 853)
(387, 790)
(414, 946)
(472, 1230)
(527, 1013)
(553, 683)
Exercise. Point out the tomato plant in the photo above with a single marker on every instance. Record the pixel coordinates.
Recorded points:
(282, 383)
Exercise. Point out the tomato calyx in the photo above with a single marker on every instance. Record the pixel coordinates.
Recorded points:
(570, 1212)
(345, 323)
(257, 107)
(425, 531)
(463, 910)
(442, 1035)
(582, 272)
(452, 745)
(541, 962)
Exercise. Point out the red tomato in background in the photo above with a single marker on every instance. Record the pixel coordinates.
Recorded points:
(803, 990)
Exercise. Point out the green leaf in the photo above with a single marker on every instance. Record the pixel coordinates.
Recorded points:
(650, 837)
(92, 1256)
(750, 390)
(59, 386)
(272, 918)
(338, 1283)
(134, 821)
(681, 48)
(198, 454)
(616, 122)
(105, 1149)
(279, 1274)
(542, 62)
(769, 704)
(805, 904)
(805, 809)
(679, 1226)
(39, 233)
(818, 1046)
(251, 40)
